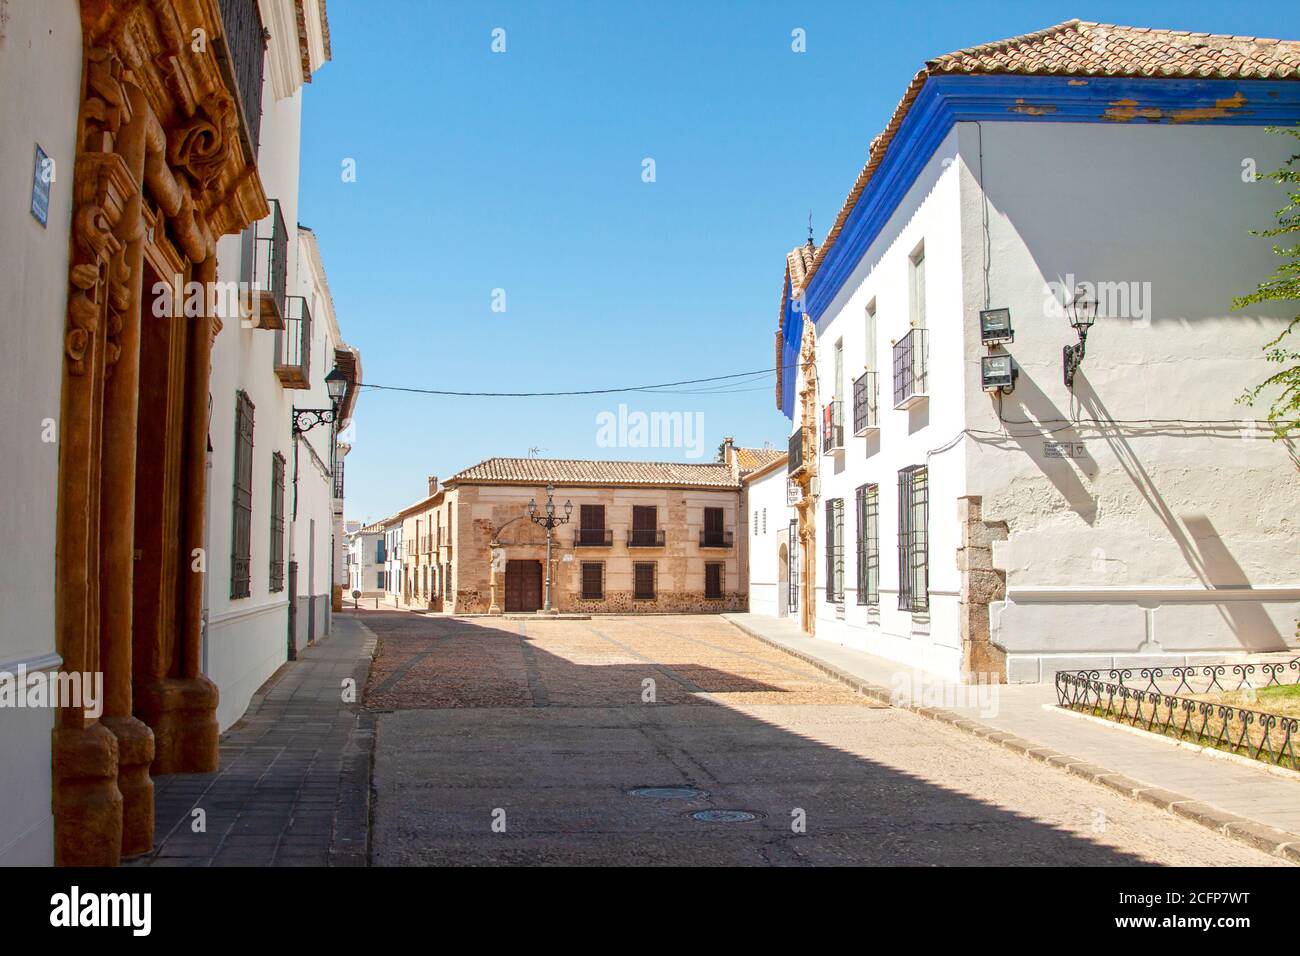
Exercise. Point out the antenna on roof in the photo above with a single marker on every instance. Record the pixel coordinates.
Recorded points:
(810, 232)
(534, 451)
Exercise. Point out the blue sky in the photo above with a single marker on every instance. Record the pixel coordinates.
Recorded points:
(522, 171)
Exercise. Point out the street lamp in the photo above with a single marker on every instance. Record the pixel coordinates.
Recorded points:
(550, 521)
(1082, 312)
(305, 419)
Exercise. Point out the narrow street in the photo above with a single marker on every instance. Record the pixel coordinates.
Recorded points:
(521, 741)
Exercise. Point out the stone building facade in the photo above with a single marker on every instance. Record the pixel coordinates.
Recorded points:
(641, 537)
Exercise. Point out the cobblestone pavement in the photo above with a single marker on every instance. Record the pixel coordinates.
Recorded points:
(519, 741)
(294, 784)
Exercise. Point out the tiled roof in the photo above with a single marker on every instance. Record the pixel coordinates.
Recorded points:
(1080, 48)
(752, 459)
(539, 471)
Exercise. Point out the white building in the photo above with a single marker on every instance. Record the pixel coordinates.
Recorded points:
(1136, 515)
(772, 529)
(172, 524)
(393, 559)
(367, 560)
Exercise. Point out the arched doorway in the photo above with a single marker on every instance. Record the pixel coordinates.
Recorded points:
(782, 581)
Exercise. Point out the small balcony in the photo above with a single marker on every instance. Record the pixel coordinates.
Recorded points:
(865, 410)
(293, 345)
(338, 480)
(794, 463)
(716, 539)
(593, 538)
(910, 370)
(645, 538)
(265, 268)
(832, 427)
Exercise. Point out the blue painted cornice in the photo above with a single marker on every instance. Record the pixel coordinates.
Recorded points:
(946, 100)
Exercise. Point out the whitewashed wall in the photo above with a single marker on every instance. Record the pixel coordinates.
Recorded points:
(929, 214)
(40, 72)
(766, 523)
(1115, 553)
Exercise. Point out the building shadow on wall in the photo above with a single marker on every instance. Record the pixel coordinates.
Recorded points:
(488, 716)
(1194, 533)
(1031, 420)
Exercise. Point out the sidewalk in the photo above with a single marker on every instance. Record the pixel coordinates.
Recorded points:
(1244, 801)
(294, 783)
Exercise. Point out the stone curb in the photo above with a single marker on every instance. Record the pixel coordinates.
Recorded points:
(1269, 839)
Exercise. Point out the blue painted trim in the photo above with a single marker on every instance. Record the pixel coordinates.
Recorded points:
(947, 100)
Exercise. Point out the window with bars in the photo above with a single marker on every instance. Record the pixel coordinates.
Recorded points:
(241, 533)
(593, 580)
(643, 581)
(913, 545)
(793, 557)
(277, 523)
(868, 544)
(713, 575)
(835, 550)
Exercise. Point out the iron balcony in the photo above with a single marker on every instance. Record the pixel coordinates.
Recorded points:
(645, 538)
(716, 539)
(593, 538)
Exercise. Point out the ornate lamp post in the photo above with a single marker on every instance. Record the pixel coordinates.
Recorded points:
(550, 521)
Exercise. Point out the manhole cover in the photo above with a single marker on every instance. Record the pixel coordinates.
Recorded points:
(669, 793)
(724, 816)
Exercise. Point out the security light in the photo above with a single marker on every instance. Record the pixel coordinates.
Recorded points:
(995, 326)
(998, 373)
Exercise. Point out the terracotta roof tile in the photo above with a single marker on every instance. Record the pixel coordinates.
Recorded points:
(539, 471)
(752, 459)
(1080, 48)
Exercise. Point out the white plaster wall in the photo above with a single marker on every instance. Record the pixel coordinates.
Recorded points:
(929, 213)
(766, 494)
(1111, 554)
(247, 638)
(40, 74)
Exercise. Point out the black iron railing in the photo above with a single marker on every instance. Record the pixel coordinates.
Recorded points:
(1200, 705)
(242, 51)
(293, 345)
(795, 460)
(593, 538)
(864, 403)
(645, 538)
(832, 426)
(909, 368)
(338, 488)
(716, 539)
(265, 267)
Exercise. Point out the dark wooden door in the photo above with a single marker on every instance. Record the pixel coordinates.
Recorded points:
(523, 585)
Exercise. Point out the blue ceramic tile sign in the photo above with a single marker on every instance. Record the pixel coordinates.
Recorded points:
(42, 176)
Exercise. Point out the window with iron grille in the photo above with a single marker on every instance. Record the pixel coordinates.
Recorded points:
(241, 533)
(643, 578)
(793, 557)
(868, 545)
(835, 550)
(277, 523)
(913, 546)
(713, 572)
(593, 580)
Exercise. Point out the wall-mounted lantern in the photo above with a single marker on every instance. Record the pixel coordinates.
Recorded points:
(995, 327)
(1082, 312)
(998, 373)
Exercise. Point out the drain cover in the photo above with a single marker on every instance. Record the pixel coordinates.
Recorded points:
(669, 793)
(724, 816)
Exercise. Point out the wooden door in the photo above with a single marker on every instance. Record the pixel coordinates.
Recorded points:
(523, 585)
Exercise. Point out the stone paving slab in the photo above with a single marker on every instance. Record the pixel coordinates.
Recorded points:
(1238, 799)
(294, 784)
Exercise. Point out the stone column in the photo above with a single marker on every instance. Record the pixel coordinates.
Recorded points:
(981, 584)
(117, 515)
(178, 701)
